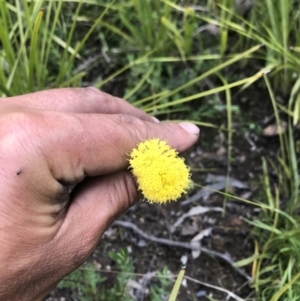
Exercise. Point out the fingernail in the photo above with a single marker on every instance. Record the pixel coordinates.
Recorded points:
(190, 128)
(155, 119)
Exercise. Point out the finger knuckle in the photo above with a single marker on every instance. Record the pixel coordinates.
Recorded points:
(106, 101)
(17, 130)
(92, 93)
(92, 90)
(134, 126)
(81, 95)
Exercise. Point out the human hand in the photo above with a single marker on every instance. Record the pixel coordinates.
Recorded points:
(48, 141)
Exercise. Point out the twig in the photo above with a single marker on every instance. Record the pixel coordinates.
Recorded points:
(226, 257)
(229, 293)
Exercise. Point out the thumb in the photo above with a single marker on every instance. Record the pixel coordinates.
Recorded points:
(95, 204)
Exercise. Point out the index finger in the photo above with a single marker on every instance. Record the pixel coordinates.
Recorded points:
(92, 145)
(76, 100)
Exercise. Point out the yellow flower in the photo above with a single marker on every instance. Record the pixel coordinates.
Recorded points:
(161, 175)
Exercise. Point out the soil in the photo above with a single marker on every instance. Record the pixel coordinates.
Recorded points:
(230, 234)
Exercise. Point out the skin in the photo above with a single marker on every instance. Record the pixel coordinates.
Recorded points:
(48, 141)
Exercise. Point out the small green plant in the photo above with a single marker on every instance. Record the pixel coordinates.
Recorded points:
(83, 282)
(161, 289)
(87, 283)
(119, 291)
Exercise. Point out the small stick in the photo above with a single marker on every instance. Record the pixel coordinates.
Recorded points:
(226, 257)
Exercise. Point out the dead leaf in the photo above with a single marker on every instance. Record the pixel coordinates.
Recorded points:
(196, 241)
(213, 29)
(202, 234)
(194, 211)
(196, 253)
(189, 229)
(275, 129)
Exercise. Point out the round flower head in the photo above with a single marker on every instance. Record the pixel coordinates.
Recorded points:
(161, 175)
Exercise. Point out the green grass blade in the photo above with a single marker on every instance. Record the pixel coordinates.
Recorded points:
(287, 286)
(141, 60)
(140, 83)
(33, 51)
(215, 69)
(69, 63)
(64, 65)
(4, 90)
(151, 97)
(177, 286)
(202, 94)
(118, 31)
(74, 81)
(50, 33)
